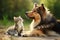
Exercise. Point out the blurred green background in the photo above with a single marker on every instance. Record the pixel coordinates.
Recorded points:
(11, 8)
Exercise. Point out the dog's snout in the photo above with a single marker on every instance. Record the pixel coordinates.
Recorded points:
(26, 13)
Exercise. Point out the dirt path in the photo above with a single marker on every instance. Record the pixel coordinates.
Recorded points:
(29, 38)
(8, 37)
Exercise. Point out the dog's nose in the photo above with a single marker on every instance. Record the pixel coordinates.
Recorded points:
(26, 13)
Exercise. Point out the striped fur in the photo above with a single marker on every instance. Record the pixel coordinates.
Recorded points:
(17, 28)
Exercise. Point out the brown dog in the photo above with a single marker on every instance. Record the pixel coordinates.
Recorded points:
(44, 23)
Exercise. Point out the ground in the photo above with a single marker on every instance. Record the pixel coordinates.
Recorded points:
(8, 37)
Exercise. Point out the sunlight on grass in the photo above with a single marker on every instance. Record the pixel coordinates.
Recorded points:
(26, 24)
(8, 23)
(5, 24)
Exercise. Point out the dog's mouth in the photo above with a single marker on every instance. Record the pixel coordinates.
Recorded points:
(26, 16)
(29, 17)
(32, 17)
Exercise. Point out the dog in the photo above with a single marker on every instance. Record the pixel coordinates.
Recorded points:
(44, 23)
(17, 28)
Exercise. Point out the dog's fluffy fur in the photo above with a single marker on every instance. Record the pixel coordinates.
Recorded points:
(17, 28)
(43, 24)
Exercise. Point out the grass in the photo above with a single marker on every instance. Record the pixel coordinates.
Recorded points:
(6, 23)
(26, 24)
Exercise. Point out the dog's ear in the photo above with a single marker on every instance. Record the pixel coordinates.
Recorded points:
(35, 5)
(42, 7)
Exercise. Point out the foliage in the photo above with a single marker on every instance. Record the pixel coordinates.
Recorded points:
(11, 8)
(14, 7)
(53, 5)
(5, 22)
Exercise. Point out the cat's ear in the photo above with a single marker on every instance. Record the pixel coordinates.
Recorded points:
(14, 17)
(19, 16)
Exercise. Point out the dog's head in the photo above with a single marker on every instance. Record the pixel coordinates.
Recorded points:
(37, 11)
